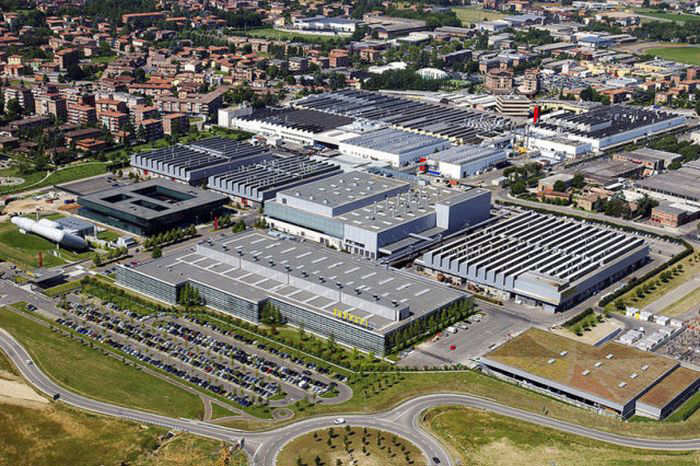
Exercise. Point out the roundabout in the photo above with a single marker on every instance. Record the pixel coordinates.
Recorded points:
(350, 445)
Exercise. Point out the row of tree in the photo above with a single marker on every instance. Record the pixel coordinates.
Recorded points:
(171, 236)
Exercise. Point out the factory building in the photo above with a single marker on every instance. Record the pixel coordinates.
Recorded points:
(682, 185)
(606, 126)
(359, 303)
(151, 206)
(611, 378)
(255, 183)
(540, 260)
(466, 160)
(297, 126)
(393, 146)
(193, 163)
(458, 125)
(374, 216)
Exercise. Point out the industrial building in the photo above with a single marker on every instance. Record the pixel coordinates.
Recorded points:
(255, 183)
(612, 378)
(151, 206)
(606, 126)
(537, 259)
(654, 161)
(466, 160)
(193, 163)
(298, 126)
(606, 172)
(458, 125)
(682, 185)
(393, 146)
(359, 303)
(372, 215)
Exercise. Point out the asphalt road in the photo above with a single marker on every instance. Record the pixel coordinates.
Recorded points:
(263, 447)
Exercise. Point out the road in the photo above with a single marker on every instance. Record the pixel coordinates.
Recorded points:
(263, 447)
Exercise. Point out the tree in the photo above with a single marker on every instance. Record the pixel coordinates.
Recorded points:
(75, 72)
(14, 109)
(157, 252)
(578, 181)
(559, 186)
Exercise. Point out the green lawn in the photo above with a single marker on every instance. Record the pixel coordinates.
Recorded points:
(273, 34)
(682, 17)
(686, 410)
(93, 374)
(108, 235)
(23, 249)
(63, 288)
(471, 15)
(486, 439)
(343, 445)
(104, 60)
(690, 55)
(690, 266)
(75, 172)
(28, 180)
(60, 435)
(36, 180)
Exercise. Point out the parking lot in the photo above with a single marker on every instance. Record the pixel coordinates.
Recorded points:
(238, 368)
(471, 339)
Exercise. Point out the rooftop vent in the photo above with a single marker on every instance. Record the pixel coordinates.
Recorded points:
(645, 367)
(598, 364)
(563, 353)
(551, 361)
(610, 356)
(586, 372)
(633, 376)
(622, 384)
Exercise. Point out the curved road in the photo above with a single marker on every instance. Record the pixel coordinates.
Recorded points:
(263, 447)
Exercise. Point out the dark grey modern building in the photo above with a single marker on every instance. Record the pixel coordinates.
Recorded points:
(152, 206)
(330, 293)
(544, 260)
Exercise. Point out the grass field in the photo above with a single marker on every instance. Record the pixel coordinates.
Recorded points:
(28, 180)
(691, 267)
(273, 34)
(6, 365)
(682, 17)
(63, 288)
(342, 445)
(690, 55)
(683, 305)
(74, 172)
(686, 410)
(59, 435)
(486, 439)
(108, 235)
(40, 180)
(93, 374)
(471, 15)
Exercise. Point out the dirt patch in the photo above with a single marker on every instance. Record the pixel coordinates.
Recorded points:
(15, 392)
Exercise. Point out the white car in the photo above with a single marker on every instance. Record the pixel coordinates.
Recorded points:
(339, 420)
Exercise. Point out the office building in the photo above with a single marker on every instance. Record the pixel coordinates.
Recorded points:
(359, 303)
(372, 215)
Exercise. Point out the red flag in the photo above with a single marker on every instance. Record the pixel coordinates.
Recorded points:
(536, 114)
